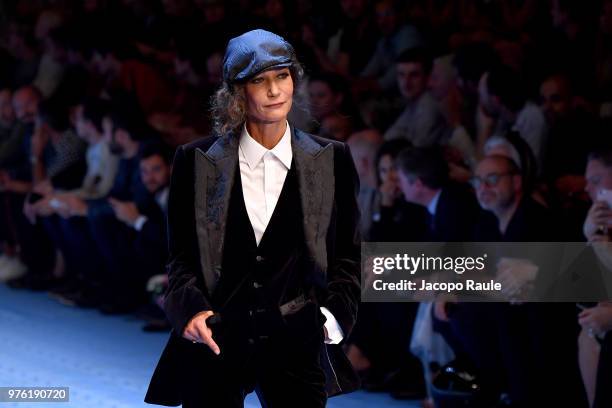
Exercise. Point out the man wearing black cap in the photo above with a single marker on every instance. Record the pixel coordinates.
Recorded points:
(264, 248)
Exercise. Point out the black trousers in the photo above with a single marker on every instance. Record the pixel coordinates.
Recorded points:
(73, 237)
(37, 248)
(528, 351)
(283, 372)
(383, 331)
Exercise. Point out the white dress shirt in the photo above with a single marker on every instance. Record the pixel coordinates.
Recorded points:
(102, 167)
(263, 172)
(433, 204)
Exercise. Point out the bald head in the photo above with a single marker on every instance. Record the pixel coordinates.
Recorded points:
(498, 162)
(25, 103)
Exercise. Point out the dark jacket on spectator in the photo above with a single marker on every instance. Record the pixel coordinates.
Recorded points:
(455, 215)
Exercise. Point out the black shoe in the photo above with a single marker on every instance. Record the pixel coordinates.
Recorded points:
(456, 385)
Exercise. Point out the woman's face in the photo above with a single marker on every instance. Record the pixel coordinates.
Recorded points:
(269, 96)
(387, 171)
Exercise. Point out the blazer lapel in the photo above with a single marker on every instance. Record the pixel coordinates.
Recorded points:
(315, 169)
(214, 177)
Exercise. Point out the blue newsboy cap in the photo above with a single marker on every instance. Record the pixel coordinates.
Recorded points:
(253, 52)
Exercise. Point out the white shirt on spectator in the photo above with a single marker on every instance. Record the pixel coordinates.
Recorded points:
(263, 173)
(102, 168)
(531, 125)
(421, 122)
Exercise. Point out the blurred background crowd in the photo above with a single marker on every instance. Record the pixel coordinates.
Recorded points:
(468, 120)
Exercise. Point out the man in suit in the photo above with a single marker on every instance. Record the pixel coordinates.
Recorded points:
(514, 346)
(264, 248)
(134, 238)
(452, 208)
(595, 321)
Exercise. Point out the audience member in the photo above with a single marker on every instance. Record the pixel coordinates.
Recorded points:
(50, 70)
(443, 86)
(595, 341)
(337, 127)
(29, 241)
(58, 154)
(520, 340)
(504, 106)
(390, 219)
(327, 94)
(125, 76)
(573, 133)
(92, 125)
(422, 121)
(364, 145)
(393, 216)
(424, 180)
(348, 50)
(379, 73)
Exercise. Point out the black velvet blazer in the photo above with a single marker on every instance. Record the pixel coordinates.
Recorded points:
(202, 178)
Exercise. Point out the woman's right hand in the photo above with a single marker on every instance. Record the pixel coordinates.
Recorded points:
(198, 331)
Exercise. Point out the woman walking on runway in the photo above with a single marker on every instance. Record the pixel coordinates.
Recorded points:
(264, 248)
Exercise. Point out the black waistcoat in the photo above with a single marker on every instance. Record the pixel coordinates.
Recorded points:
(272, 273)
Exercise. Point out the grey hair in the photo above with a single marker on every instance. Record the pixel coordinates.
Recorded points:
(228, 104)
(501, 142)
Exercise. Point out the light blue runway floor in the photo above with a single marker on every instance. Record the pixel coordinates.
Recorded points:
(105, 361)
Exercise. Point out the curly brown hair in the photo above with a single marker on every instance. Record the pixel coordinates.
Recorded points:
(228, 104)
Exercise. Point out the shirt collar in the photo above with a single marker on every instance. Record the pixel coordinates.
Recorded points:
(431, 207)
(254, 152)
(162, 197)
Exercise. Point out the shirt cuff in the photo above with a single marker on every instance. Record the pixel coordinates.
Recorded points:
(140, 221)
(334, 331)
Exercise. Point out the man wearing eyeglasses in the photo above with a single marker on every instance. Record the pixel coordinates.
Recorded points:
(499, 189)
(513, 345)
(595, 339)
